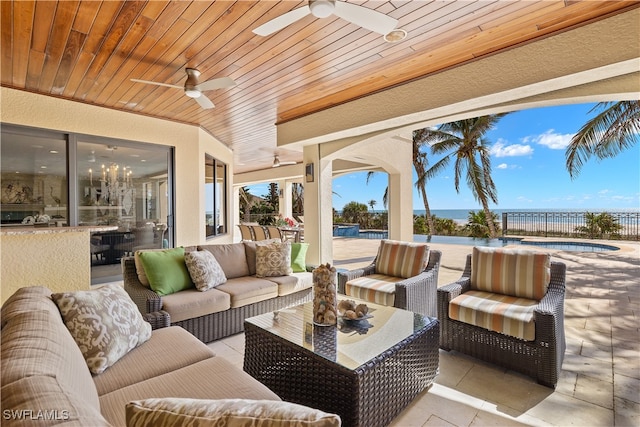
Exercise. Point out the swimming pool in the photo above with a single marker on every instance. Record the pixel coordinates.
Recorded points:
(499, 242)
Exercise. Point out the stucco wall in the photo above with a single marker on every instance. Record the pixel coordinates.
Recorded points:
(60, 262)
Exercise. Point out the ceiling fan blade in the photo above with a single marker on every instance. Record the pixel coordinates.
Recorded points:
(276, 24)
(204, 102)
(156, 83)
(367, 18)
(221, 83)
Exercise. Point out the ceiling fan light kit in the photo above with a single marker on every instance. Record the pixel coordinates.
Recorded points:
(193, 88)
(322, 8)
(277, 163)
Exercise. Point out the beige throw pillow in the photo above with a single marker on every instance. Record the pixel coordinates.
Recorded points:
(273, 260)
(204, 270)
(178, 412)
(105, 323)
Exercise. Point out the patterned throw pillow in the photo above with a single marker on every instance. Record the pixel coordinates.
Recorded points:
(401, 259)
(517, 272)
(105, 323)
(273, 260)
(225, 412)
(204, 270)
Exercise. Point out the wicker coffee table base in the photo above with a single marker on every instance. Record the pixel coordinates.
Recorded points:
(371, 395)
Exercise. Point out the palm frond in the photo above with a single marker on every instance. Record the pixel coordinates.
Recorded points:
(615, 128)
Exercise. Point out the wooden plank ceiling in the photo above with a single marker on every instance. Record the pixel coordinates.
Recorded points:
(89, 50)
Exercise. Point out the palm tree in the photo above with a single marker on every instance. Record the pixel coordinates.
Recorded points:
(613, 130)
(478, 224)
(464, 141)
(372, 203)
(247, 200)
(420, 164)
(297, 191)
(385, 196)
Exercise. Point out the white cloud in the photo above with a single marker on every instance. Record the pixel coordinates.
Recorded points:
(551, 139)
(502, 149)
(503, 166)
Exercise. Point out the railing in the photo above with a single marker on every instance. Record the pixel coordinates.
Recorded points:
(265, 218)
(569, 224)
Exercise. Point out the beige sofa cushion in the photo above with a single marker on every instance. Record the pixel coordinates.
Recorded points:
(26, 300)
(216, 378)
(192, 303)
(37, 343)
(293, 283)
(247, 290)
(168, 349)
(43, 396)
(178, 412)
(516, 272)
(231, 257)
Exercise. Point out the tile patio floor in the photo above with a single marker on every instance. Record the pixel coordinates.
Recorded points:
(600, 382)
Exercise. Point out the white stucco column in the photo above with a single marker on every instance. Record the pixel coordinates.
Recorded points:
(234, 231)
(401, 198)
(285, 204)
(318, 213)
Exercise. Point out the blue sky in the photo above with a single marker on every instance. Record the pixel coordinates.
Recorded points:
(528, 164)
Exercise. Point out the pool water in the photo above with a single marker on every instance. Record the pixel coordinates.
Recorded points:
(499, 242)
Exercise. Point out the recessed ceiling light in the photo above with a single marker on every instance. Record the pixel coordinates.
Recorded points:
(43, 167)
(395, 36)
(53, 151)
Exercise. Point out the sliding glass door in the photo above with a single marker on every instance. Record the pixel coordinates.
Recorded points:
(72, 179)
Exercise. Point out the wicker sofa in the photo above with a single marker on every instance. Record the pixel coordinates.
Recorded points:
(212, 315)
(403, 275)
(538, 352)
(47, 381)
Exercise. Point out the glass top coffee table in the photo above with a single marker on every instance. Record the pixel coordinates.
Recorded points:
(366, 371)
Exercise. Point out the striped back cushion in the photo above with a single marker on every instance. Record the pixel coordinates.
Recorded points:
(515, 272)
(401, 259)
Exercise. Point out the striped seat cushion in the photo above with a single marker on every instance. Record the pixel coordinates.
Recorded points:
(499, 313)
(376, 288)
(401, 259)
(515, 272)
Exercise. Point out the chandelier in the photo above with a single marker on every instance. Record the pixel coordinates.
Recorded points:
(115, 182)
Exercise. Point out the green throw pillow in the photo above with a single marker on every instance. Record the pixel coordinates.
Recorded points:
(299, 257)
(166, 270)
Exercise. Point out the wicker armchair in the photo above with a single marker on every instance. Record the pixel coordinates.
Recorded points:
(540, 358)
(415, 293)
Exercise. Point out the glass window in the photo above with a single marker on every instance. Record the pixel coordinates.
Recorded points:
(34, 178)
(215, 184)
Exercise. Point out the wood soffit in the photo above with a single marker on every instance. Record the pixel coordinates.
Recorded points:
(88, 51)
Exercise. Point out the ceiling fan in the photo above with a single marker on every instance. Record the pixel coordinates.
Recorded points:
(367, 18)
(277, 163)
(193, 88)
